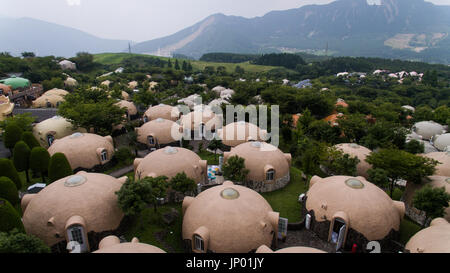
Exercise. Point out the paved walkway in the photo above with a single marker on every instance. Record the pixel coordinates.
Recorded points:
(121, 172)
(306, 238)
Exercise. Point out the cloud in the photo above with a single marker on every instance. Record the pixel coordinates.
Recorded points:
(73, 2)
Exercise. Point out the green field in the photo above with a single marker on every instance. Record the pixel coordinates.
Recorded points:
(117, 58)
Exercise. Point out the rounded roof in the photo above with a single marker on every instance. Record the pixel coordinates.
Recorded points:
(16, 82)
(428, 129)
(133, 84)
(369, 210)
(130, 107)
(218, 89)
(361, 152)
(442, 169)
(201, 115)
(56, 91)
(87, 195)
(83, 149)
(259, 158)
(441, 142)
(56, 126)
(70, 82)
(240, 132)
(162, 111)
(6, 88)
(6, 107)
(111, 244)
(165, 131)
(235, 218)
(434, 239)
(170, 161)
(295, 249)
(43, 100)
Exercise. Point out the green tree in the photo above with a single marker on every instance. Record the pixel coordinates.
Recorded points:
(9, 217)
(23, 121)
(145, 98)
(182, 183)
(414, 147)
(53, 83)
(159, 187)
(7, 169)
(28, 54)
(216, 144)
(30, 140)
(432, 201)
(339, 163)
(177, 65)
(39, 161)
(134, 197)
(234, 169)
(21, 155)
(58, 167)
(84, 61)
(379, 177)
(12, 135)
(402, 165)
(8, 190)
(169, 64)
(18, 242)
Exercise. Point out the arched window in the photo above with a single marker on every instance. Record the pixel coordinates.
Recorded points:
(50, 139)
(104, 155)
(145, 119)
(151, 140)
(199, 243)
(270, 175)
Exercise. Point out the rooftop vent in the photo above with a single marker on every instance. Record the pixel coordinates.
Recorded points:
(75, 180)
(354, 183)
(229, 194)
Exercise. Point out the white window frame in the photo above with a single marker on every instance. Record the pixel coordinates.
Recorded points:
(270, 175)
(153, 140)
(104, 155)
(50, 139)
(199, 243)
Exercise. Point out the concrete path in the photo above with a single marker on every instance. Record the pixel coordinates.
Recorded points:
(122, 172)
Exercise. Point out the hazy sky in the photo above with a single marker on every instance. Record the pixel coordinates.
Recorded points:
(141, 20)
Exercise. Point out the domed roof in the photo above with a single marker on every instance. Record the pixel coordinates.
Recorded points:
(261, 157)
(70, 82)
(6, 107)
(201, 115)
(165, 131)
(130, 107)
(370, 211)
(16, 82)
(295, 249)
(232, 218)
(409, 107)
(56, 91)
(170, 161)
(56, 126)
(218, 89)
(111, 244)
(240, 132)
(442, 169)
(434, 239)
(87, 195)
(162, 111)
(105, 83)
(6, 88)
(441, 142)
(46, 99)
(125, 95)
(133, 84)
(361, 152)
(83, 150)
(428, 129)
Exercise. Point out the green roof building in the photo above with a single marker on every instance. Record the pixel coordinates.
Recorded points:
(16, 82)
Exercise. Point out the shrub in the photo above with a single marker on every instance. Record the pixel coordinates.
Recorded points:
(8, 190)
(30, 140)
(58, 167)
(7, 169)
(123, 155)
(9, 217)
(21, 156)
(17, 242)
(39, 161)
(12, 135)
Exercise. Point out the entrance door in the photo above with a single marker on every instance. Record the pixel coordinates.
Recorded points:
(341, 237)
(75, 233)
(337, 225)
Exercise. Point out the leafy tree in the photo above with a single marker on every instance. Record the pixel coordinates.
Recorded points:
(402, 165)
(339, 163)
(216, 144)
(18, 242)
(39, 161)
(432, 201)
(58, 167)
(7, 169)
(12, 135)
(23, 121)
(53, 83)
(234, 169)
(414, 147)
(9, 217)
(169, 64)
(134, 196)
(177, 65)
(21, 155)
(182, 183)
(379, 177)
(30, 140)
(354, 127)
(28, 54)
(159, 187)
(8, 190)
(145, 98)
(124, 155)
(239, 70)
(84, 61)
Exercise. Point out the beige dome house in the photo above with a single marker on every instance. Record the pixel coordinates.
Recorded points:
(50, 99)
(162, 111)
(125, 96)
(434, 181)
(442, 169)
(350, 210)
(133, 84)
(84, 151)
(297, 249)
(70, 82)
(228, 219)
(112, 244)
(200, 121)
(441, 142)
(81, 207)
(170, 161)
(53, 128)
(360, 152)
(159, 133)
(129, 107)
(240, 132)
(434, 239)
(105, 83)
(56, 91)
(268, 166)
(6, 107)
(428, 129)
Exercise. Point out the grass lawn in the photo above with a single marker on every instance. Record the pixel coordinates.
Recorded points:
(210, 157)
(285, 201)
(407, 229)
(149, 226)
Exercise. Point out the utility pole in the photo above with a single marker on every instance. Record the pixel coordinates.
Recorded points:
(129, 47)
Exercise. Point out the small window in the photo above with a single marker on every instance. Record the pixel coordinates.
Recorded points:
(199, 244)
(49, 105)
(104, 155)
(145, 119)
(270, 175)
(77, 235)
(50, 140)
(151, 140)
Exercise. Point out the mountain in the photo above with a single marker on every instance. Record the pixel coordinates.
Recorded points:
(25, 34)
(408, 29)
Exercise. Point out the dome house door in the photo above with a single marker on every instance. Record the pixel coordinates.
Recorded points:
(338, 233)
(76, 233)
